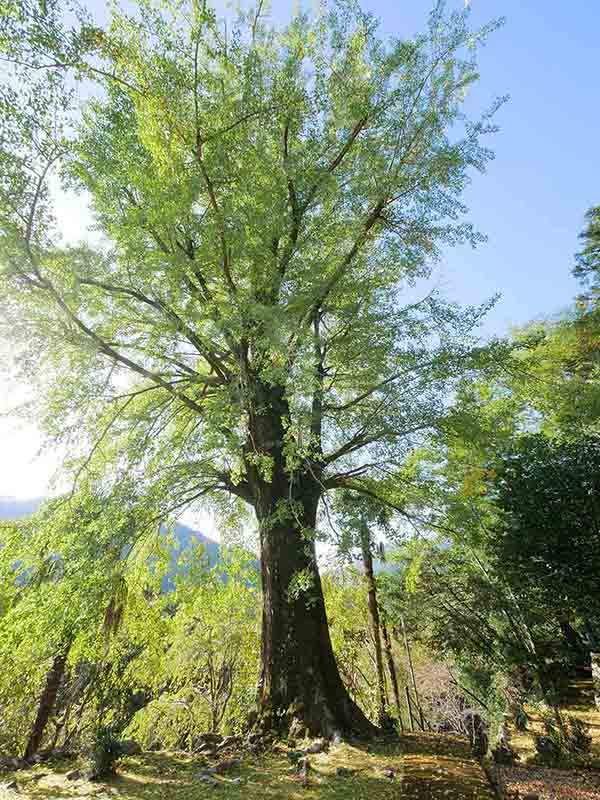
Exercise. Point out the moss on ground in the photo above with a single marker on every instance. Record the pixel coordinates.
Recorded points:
(577, 701)
(425, 766)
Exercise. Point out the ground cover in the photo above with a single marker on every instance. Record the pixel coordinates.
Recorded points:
(421, 766)
(581, 781)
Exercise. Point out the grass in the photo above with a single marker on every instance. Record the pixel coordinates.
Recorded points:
(572, 779)
(577, 701)
(431, 767)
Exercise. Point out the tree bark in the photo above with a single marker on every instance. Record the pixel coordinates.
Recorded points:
(47, 701)
(410, 665)
(300, 684)
(367, 556)
(391, 664)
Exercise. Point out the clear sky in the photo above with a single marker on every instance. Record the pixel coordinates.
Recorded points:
(530, 203)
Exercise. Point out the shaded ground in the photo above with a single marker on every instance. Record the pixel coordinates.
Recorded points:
(424, 766)
(549, 784)
(578, 783)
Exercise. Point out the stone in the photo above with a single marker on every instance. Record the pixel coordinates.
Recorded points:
(208, 779)
(389, 773)
(318, 746)
(226, 765)
(74, 775)
(344, 772)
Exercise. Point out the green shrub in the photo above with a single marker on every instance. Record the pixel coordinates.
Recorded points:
(106, 751)
(578, 740)
(562, 744)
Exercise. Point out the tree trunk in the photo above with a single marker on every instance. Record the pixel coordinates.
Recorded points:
(367, 556)
(410, 662)
(387, 642)
(47, 701)
(595, 658)
(300, 682)
(300, 685)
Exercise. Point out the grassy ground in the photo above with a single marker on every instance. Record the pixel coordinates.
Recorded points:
(578, 701)
(555, 784)
(425, 766)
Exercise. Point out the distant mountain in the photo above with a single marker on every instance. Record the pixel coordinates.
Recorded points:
(14, 508)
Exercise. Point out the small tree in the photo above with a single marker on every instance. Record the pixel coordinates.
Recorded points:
(67, 581)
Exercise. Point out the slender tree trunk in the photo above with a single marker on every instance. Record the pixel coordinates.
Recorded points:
(410, 664)
(595, 658)
(391, 664)
(367, 557)
(47, 701)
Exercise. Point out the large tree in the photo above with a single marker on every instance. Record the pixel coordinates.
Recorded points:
(262, 197)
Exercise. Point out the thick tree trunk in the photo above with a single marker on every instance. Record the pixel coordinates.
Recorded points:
(374, 617)
(47, 701)
(299, 684)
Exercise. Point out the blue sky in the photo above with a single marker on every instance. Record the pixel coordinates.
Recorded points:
(530, 203)
(547, 167)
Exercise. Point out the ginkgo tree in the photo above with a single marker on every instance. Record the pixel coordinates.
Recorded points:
(261, 197)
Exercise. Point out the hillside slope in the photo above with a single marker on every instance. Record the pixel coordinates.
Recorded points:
(13, 508)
